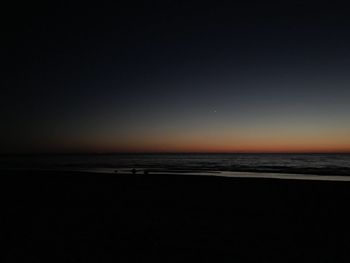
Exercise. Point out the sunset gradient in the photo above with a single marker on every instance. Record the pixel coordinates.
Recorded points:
(243, 79)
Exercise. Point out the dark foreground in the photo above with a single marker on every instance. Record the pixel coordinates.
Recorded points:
(80, 217)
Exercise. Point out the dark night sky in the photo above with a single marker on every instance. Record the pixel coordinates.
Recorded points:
(175, 76)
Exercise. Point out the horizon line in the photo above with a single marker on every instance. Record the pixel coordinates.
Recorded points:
(179, 152)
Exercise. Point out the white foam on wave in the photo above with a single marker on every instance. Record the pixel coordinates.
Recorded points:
(286, 176)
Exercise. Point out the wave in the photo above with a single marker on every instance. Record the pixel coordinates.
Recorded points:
(309, 164)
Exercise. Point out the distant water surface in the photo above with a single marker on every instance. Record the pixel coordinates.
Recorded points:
(316, 164)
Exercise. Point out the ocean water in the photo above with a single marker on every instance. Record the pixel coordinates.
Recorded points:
(312, 164)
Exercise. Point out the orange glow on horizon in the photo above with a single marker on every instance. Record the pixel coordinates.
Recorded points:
(206, 143)
(254, 146)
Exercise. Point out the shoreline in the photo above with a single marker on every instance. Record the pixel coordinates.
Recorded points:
(230, 174)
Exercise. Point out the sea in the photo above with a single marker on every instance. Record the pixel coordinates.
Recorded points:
(227, 164)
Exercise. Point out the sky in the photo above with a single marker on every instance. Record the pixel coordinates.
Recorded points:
(175, 76)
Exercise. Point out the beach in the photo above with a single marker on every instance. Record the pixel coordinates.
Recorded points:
(52, 216)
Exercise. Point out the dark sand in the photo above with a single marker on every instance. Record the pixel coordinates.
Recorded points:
(81, 217)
